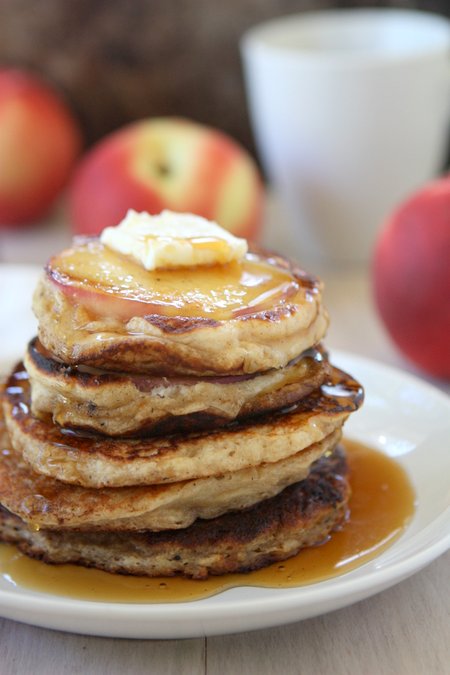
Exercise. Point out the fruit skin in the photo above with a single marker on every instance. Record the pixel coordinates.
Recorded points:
(411, 274)
(39, 142)
(101, 303)
(167, 163)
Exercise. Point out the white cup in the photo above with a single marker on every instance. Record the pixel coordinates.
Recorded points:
(350, 110)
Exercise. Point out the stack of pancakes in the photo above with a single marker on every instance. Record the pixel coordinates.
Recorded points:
(175, 443)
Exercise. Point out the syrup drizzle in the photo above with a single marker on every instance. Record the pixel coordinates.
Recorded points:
(381, 506)
(216, 292)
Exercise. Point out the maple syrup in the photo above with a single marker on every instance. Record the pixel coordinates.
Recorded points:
(381, 506)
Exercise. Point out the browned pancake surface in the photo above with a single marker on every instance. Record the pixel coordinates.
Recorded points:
(302, 515)
(120, 404)
(97, 462)
(43, 502)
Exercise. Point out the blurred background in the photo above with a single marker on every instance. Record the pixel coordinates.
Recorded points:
(117, 61)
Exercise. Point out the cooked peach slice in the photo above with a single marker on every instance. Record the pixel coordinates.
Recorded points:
(110, 284)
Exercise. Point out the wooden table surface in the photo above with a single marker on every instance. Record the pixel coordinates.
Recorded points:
(402, 631)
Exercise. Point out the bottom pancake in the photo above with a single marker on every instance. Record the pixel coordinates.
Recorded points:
(302, 515)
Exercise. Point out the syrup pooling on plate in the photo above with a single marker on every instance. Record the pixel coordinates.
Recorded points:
(381, 506)
(216, 292)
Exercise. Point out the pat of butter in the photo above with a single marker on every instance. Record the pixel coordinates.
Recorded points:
(173, 240)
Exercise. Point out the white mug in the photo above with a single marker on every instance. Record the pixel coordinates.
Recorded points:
(350, 110)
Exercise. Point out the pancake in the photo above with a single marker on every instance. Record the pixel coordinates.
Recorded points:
(94, 461)
(77, 322)
(118, 404)
(44, 502)
(302, 515)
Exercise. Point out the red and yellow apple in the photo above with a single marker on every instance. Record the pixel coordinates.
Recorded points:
(412, 277)
(167, 163)
(39, 143)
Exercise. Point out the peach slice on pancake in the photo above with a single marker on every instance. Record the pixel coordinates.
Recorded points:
(113, 285)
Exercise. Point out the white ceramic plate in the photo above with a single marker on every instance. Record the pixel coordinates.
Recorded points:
(402, 416)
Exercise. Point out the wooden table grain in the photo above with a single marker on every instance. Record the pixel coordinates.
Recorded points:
(403, 631)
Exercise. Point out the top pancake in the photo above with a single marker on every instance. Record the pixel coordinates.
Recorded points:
(79, 324)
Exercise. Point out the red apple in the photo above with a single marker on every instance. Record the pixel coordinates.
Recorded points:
(412, 277)
(167, 163)
(39, 142)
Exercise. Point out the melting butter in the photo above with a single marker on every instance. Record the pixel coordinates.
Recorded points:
(171, 240)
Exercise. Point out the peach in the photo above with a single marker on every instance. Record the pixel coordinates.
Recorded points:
(167, 163)
(39, 143)
(411, 276)
(102, 303)
(103, 283)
